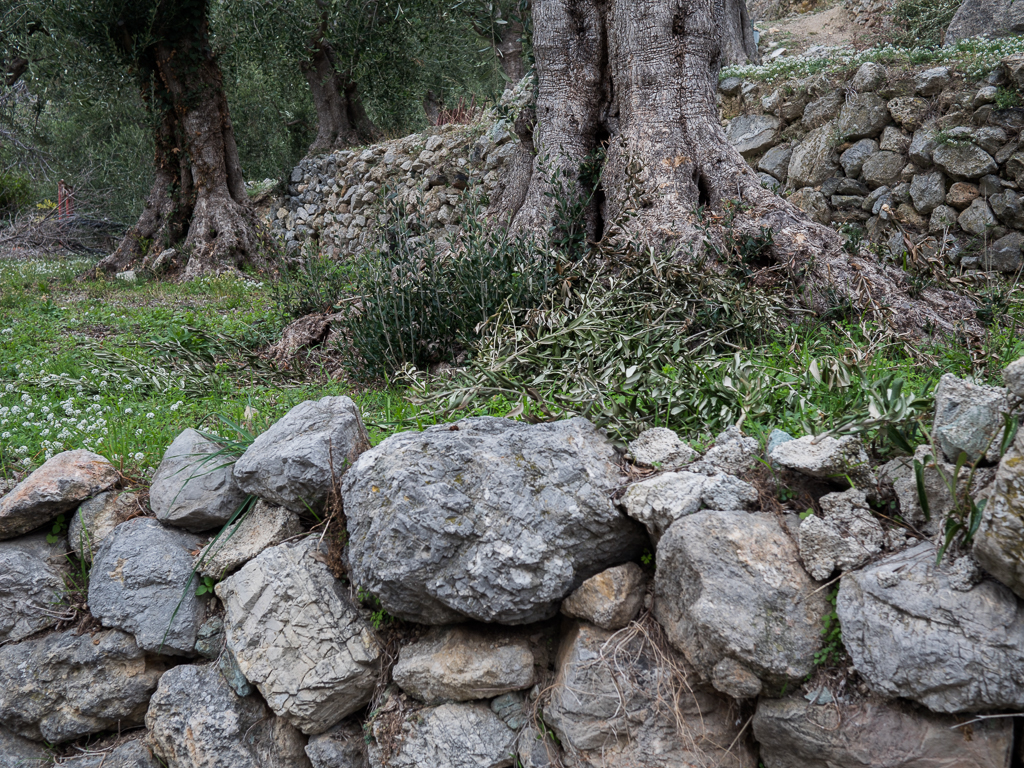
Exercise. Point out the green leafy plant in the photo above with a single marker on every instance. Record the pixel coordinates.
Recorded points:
(206, 586)
(647, 558)
(315, 284)
(58, 529)
(922, 22)
(832, 650)
(1007, 98)
(379, 617)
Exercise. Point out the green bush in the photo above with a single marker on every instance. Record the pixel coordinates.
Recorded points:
(15, 192)
(313, 286)
(922, 22)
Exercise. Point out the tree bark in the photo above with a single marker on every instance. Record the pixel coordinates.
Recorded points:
(738, 46)
(509, 49)
(638, 78)
(341, 119)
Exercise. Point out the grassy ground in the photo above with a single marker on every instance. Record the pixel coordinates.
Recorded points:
(121, 368)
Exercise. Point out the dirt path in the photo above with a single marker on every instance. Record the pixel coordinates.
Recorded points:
(833, 26)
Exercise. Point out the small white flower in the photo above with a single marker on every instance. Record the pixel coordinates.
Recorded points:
(150, 415)
(139, 456)
(128, 411)
(138, 432)
(5, 436)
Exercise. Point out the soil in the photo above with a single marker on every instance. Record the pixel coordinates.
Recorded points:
(834, 26)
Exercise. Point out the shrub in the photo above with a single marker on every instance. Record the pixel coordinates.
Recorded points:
(922, 22)
(15, 192)
(313, 286)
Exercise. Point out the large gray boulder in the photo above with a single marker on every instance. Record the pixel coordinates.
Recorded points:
(924, 143)
(486, 518)
(459, 735)
(97, 518)
(815, 158)
(994, 18)
(298, 461)
(863, 116)
(660, 447)
(968, 418)
(195, 720)
(60, 485)
(776, 164)
(928, 191)
(751, 134)
(298, 638)
(730, 585)
(977, 218)
(130, 754)
(18, 752)
(841, 460)
(846, 536)
(459, 664)
(141, 582)
(32, 574)
(964, 161)
(732, 453)
(343, 746)
(911, 635)
(853, 158)
(60, 686)
(999, 541)
(793, 733)
(615, 703)
(263, 526)
(909, 111)
(931, 81)
(663, 499)
(609, 600)
(194, 487)
(1004, 255)
(882, 169)
(822, 110)
(1008, 207)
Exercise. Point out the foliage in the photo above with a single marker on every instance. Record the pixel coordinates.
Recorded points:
(1007, 98)
(832, 650)
(58, 529)
(314, 285)
(206, 586)
(15, 191)
(922, 22)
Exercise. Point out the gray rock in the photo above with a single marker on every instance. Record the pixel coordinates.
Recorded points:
(827, 458)
(660, 447)
(663, 499)
(730, 86)
(815, 158)
(769, 182)
(196, 721)
(344, 746)
(141, 582)
(994, 18)
(1008, 207)
(18, 752)
(751, 134)
(853, 158)
(229, 669)
(131, 754)
(1004, 255)
(32, 576)
(963, 161)
(990, 185)
(911, 635)
(263, 526)
(876, 199)
(193, 487)
(793, 733)
(932, 81)
(96, 519)
(977, 218)
(869, 77)
(923, 145)
(60, 686)
(735, 680)
(863, 116)
(986, 95)
(901, 475)
(813, 203)
(459, 664)
(943, 218)
(59, 485)
(296, 462)
(882, 169)
(611, 599)
(894, 140)
(486, 518)
(730, 585)
(969, 418)
(990, 138)
(846, 536)
(928, 191)
(1013, 376)
(776, 162)
(999, 540)
(297, 638)
(821, 111)
(909, 112)
(609, 707)
(852, 187)
(777, 438)
(451, 735)
(732, 453)
(210, 638)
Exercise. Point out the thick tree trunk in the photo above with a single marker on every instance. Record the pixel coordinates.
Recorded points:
(509, 49)
(341, 120)
(638, 77)
(738, 46)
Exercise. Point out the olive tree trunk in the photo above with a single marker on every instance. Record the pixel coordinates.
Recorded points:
(341, 119)
(637, 80)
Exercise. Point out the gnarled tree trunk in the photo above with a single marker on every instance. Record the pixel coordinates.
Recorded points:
(637, 78)
(341, 120)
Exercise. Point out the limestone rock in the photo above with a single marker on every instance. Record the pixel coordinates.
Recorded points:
(963, 161)
(660, 447)
(969, 418)
(196, 721)
(131, 754)
(776, 162)
(611, 599)
(733, 679)
(910, 634)
(343, 746)
(846, 536)
(193, 487)
(607, 707)
(730, 585)
(928, 191)
(822, 111)
(141, 578)
(882, 169)
(863, 116)
(813, 203)
(828, 458)
(931, 81)
(994, 18)
(1013, 377)
(751, 134)
(663, 499)
(908, 111)
(853, 158)
(943, 218)
(60, 485)
(814, 159)
(18, 752)
(295, 463)
(732, 453)
(60, 686)
(1008, 207)
(961, 194)
(451, 735)
(31, 583)
(869, 76)
(96, 519)
(900, 474)
(1004, 255)
(486, 518)
(793, 733)
(459, 664)
(894, 140)
(999, 541)
(297, 638)
(265, 525)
